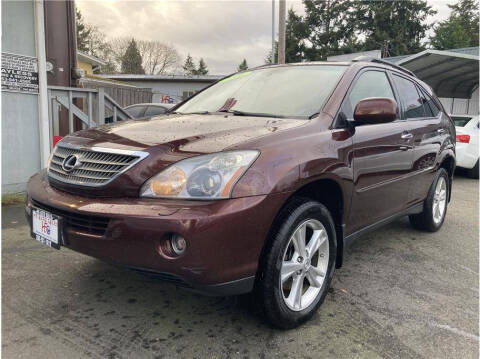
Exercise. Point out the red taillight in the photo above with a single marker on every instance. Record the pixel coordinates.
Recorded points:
(463, 138)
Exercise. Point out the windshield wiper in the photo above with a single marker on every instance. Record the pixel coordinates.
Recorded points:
(253, 114)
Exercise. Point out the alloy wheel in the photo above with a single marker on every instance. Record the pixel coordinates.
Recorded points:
(439, 200)
(304, 265)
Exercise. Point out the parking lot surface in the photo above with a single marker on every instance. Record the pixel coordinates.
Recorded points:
(401, 293)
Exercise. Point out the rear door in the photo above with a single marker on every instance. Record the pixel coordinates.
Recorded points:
(382, 156)
(424, 118)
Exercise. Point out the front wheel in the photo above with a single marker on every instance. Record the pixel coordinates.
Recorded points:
(435, 205)
(298, 265)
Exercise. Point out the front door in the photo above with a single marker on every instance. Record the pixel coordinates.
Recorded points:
(382, 157)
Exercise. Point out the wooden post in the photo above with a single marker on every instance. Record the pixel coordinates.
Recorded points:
(101, 106)
(281, 32)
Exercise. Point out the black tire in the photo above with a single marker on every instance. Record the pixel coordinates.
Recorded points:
(268, 294)
(473, 172)
(424, 221)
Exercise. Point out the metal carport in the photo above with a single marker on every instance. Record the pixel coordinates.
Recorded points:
(450, 74)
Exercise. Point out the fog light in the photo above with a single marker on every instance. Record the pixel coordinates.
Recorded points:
(179, 244)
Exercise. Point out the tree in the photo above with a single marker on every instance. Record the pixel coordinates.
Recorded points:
(158, 58)
(92, 41)
(202, 68)
(397, 26)
(296, 33)
(460, 29)
(268, 58)
(327, 25)
(132, 60)
(243, 66)
(189, 67)
(83, 32)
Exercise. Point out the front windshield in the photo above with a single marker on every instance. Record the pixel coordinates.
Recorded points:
(286, 91)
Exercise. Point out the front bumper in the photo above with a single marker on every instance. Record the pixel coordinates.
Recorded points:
(224, 238)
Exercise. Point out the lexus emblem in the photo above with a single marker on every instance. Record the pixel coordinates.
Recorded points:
(70, 163)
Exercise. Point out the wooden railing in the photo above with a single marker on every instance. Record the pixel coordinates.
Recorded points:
(71, 109)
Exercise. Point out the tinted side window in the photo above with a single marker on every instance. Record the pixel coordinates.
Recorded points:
(135, 111)
(369, 84)
(434, 108)
(411, 100)
(426, 107)
(154, 110)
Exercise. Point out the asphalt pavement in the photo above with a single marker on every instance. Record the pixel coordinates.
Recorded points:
(401, 293)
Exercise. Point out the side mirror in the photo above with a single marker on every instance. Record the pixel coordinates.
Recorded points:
(375, 110)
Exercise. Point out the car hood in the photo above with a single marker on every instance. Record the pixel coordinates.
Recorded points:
(168, 139)
(182, 133)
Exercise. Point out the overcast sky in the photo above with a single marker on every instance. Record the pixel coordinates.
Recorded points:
(222, 32)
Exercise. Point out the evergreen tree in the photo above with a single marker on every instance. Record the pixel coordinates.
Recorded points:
(202, 68)
(243, 66)
(396, 26)
(268, 58)
(83, 32)
(327, 24)
(132, 60)
(296, 33)
(189, 67)
(460, 29)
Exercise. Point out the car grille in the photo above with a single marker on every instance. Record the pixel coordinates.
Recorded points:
(95, 167)
(84, 223)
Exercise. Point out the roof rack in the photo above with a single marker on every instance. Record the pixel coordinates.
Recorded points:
(380, 61)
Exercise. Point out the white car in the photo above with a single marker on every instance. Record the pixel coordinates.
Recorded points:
(467, 127)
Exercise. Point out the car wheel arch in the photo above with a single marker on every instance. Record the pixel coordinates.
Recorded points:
(317, 190)
(448, 163)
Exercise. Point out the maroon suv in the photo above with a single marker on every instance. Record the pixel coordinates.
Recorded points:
(257, 183)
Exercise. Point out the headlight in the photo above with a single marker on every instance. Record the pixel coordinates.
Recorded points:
(204, 177)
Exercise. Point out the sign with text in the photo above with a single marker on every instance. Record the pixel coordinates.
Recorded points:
(19, 73)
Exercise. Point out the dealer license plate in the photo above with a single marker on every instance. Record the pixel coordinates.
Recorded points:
(45, 227)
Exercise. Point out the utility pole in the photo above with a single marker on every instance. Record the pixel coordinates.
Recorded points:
(281, 31)
(273, 33)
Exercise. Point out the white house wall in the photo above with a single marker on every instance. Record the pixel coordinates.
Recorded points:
(20, 133)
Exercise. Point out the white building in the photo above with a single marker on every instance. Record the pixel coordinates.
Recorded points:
(168, 88)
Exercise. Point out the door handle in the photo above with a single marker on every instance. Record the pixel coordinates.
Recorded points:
(440, 131)
(406, 136)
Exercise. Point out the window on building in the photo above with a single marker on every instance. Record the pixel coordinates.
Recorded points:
(187, 94)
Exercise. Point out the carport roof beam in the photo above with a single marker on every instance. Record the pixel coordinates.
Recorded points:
(449, 73)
